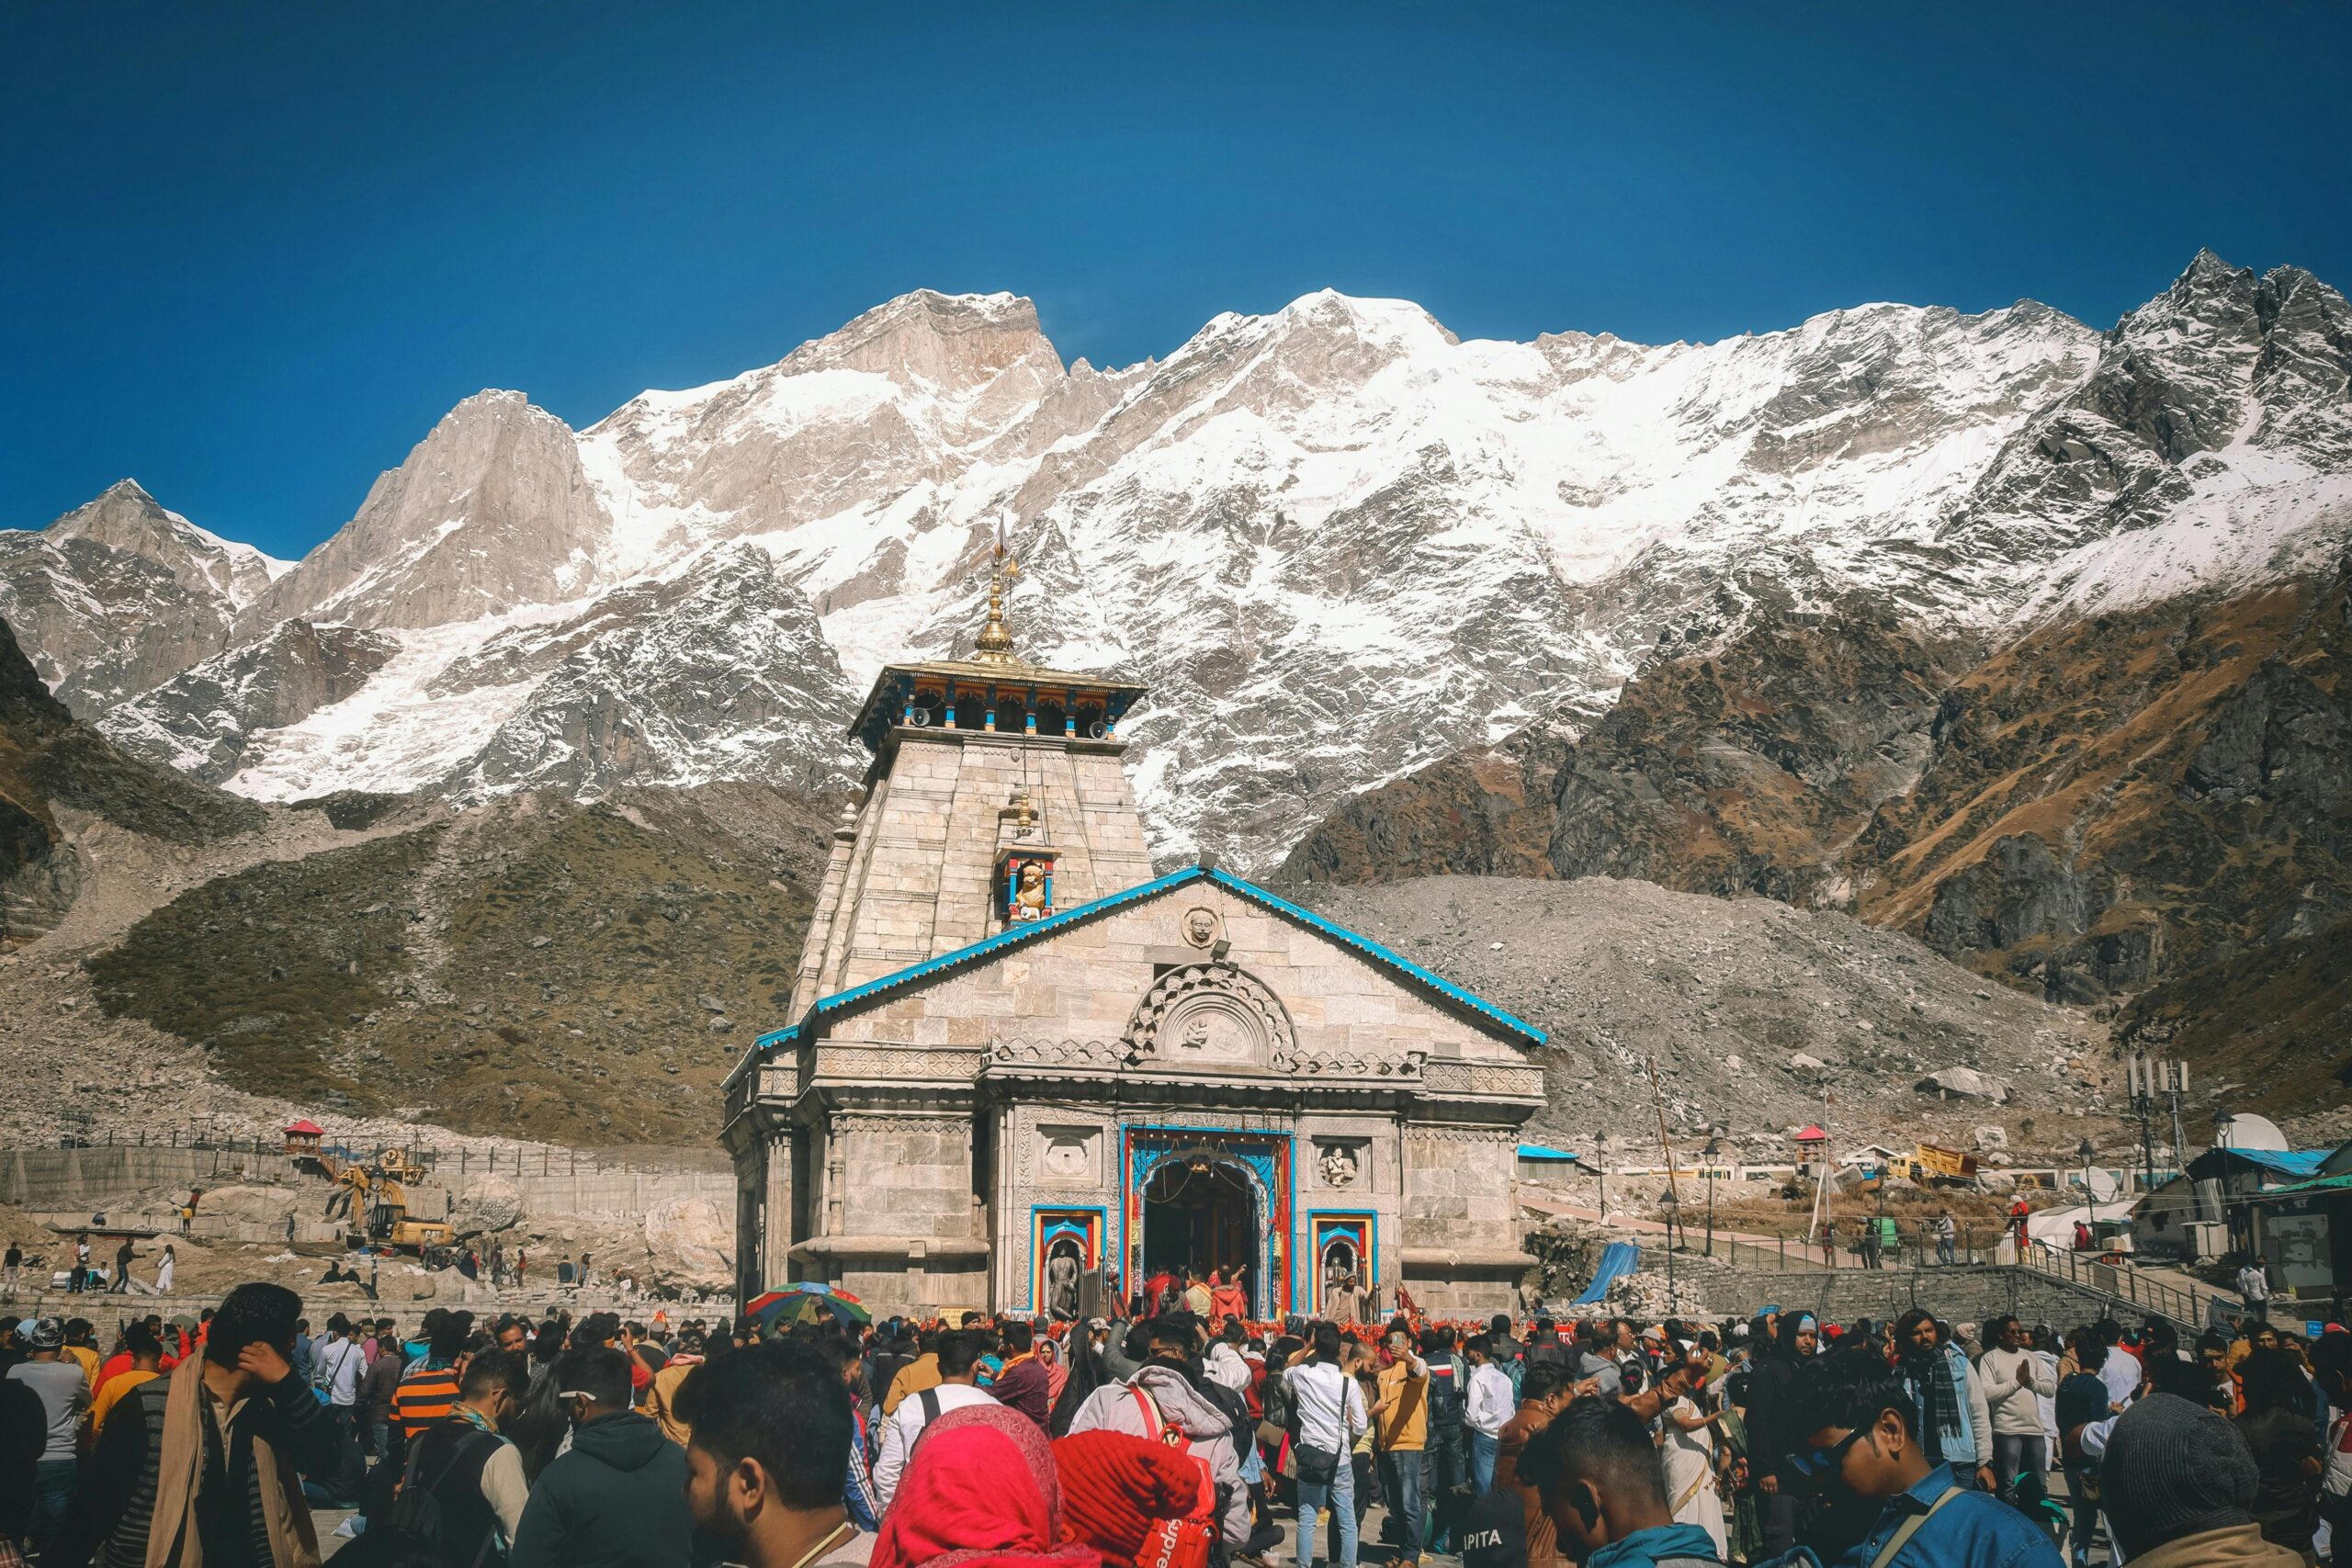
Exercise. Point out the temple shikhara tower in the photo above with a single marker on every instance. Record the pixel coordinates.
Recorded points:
(1021, 1070)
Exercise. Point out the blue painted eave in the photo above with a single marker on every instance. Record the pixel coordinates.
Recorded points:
(1018, 935)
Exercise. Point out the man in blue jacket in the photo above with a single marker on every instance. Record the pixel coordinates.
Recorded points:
(1863, 1438)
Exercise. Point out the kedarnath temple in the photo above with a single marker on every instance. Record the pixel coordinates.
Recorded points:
(1021, 1071)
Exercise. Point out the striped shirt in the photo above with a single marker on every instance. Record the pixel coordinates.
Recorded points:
(426, 1394)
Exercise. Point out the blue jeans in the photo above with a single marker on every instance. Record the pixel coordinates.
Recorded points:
(1482, 1462)
(53, 1489)
(1339, 1499)
(2081, 1477)
(1400, 1485)
(1445, 1481)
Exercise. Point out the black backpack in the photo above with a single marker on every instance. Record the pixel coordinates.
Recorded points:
(414, 1531)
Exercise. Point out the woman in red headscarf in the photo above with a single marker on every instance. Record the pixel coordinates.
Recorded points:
(980, 1492)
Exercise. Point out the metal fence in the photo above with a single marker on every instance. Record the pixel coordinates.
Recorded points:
(1970, 1244)
(460, 1159)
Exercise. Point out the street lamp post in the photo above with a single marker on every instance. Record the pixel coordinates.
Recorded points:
(1600, 1172)
(1672, 1205)
(1710, 1153)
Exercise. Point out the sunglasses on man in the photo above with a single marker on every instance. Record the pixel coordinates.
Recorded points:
(1823, 1462)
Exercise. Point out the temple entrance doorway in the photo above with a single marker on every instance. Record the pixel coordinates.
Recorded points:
(1200, 1211)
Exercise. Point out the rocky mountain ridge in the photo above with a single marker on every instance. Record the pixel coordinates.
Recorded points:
(1339, 543)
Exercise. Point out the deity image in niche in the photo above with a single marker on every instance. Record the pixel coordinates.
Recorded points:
(1342, 1297)
(1029, 894)
(1061, 1280)
(1213, 1032)
(1338, 1166)
(1199, 926)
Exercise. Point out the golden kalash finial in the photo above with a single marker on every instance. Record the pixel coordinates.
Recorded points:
(995, 644)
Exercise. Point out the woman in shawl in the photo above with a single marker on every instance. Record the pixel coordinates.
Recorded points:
(1050, 1354)
(980, 1492)
(1736, 1474)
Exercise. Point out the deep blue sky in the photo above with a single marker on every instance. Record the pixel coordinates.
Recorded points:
(253, 252)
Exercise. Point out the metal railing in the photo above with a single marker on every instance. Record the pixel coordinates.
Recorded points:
(2122, 1282)
(1911, 1254)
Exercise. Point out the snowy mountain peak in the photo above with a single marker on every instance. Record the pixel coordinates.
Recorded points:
(126, 517)
(1337, 541)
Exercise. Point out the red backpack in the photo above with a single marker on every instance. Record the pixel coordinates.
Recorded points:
(1184, 1542)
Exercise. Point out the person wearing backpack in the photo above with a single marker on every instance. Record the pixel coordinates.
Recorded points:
(1168, 1399)
(462, 1491)
(959, 1371)
(617, 1498)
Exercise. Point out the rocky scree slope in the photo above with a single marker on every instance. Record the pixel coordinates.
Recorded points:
(1341, 544)
(1749, 1007)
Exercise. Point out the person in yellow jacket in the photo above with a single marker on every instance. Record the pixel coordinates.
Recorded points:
(1401, 1427)
(921, 1373)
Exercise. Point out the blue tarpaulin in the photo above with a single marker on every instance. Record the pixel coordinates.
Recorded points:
(1619, 1257)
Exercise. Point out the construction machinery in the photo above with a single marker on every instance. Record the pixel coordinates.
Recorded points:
(386, 1202)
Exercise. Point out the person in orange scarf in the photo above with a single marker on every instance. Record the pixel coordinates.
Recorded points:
(981, 1492)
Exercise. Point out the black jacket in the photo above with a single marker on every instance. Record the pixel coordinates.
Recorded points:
(617, 1500)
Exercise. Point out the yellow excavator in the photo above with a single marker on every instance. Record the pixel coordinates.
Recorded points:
(384, 1201)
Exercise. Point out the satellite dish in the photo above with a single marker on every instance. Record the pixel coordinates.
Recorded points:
(2103, 1185)
(2249, 1131)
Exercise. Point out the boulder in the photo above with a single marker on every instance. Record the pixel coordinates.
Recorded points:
(1988, 1137)
(1999, 1181)
(491, 1204)
(250, 1205)
(690, 1242)
(1965, 1082)
(1801, 1062)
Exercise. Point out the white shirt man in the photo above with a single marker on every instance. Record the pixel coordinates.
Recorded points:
(339, 1366)
(1489, 1401)
(960, 1358)
(1331, 1414)
(2254, 1284)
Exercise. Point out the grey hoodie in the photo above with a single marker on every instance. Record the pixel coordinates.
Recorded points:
(1208, 1433)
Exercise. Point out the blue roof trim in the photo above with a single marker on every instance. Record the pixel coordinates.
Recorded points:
(1373, 949)
(1544, 1152)
(1015, 936)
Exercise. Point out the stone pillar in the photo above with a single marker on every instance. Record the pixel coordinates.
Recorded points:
(776, 1213)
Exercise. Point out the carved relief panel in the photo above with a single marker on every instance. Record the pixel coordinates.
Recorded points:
(1069, 1155)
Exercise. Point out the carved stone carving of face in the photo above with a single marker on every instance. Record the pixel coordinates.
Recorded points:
(1200, 927)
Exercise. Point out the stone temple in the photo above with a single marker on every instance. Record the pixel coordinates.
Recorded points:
(1021, 1070)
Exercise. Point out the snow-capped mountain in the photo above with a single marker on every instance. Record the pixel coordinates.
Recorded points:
(119, 595)
(1337, 541)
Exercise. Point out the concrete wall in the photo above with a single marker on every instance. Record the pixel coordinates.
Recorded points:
(1958, 1294)
(85, 1181)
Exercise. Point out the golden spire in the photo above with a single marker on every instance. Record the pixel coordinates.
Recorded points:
(995, 643)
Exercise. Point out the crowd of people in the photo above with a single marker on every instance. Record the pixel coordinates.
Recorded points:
(1185, 1439)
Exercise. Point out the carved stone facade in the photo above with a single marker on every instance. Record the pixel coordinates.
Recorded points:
(979, 1104)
